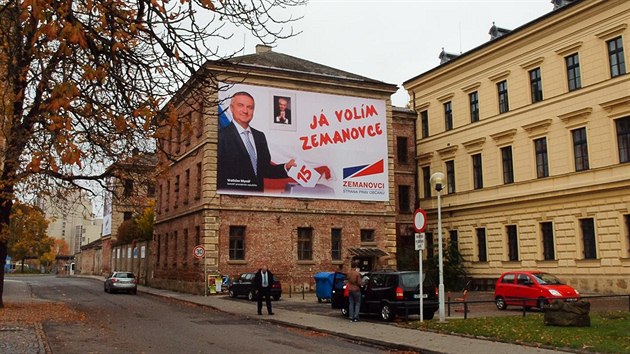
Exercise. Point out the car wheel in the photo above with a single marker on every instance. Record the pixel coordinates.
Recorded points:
(251, 296)
(231, 293)
(344, 312)
(541, 303)
(428, 315)
(387, 313)
(276, 297)
(500, 302)
(319, 299)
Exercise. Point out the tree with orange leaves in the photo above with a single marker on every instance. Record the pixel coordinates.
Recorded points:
(84, 81)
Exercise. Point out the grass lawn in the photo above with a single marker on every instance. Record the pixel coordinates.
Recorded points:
(608, 333)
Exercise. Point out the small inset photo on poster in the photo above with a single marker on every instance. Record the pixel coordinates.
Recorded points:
(283, 116)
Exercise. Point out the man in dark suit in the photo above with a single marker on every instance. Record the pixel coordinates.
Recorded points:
(282, 112)
(263, 280)
(244, 158)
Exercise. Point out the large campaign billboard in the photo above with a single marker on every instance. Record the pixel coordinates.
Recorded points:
(299, 144)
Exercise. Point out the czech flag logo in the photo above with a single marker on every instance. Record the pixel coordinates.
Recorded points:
(363, 170)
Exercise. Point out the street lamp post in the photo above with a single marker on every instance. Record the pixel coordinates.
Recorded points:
(437, 181)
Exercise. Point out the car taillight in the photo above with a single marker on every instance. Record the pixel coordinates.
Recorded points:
(437, 292)
(399, 293)
(114, 280)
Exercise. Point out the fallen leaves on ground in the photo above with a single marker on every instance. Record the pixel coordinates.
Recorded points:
(31, 313)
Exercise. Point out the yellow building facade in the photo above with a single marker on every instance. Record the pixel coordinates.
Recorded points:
(532, 133)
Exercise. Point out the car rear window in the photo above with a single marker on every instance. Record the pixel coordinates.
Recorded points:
(409, 280)
(124, 275)
(508, 279)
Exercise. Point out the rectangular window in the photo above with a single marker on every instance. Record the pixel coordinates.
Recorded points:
(512, 242)
(178, 133)
(448, 116)
(151, 190)
(157, 248)
(508, 164)
(159, 200)
(305, 244)
(175, 249)
(198, 180)
(176, 202)
(502, 89)
(626, 219)
(542, 165)
(453, 239)
(367, 235)
(199, 123)
(616, 57)
(549, 252)
(535, 84)
(477, 171)
(428, 239)
(424, 122)
(335, 244)
(166, 249)
(623, 139)
(168, 195)
(403, 199)
(186, 248)
(186, 185)
(402, 149)
(450, 176)
(573, 72)
(188, 132)
(127, 188)
(588, 238)
(580, 149)
(481, 244)
(426, 181)
(237, 243)
(473, 98)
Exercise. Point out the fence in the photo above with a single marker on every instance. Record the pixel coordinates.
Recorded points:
(467, 306)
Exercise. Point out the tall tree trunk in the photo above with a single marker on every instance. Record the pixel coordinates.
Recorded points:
(5, 209)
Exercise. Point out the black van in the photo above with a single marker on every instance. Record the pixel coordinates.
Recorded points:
(391, 293)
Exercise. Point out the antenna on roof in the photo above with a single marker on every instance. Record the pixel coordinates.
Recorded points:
(460, 37)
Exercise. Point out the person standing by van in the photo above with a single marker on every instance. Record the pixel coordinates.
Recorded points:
(354, 292)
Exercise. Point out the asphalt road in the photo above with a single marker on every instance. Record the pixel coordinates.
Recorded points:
(122, 323)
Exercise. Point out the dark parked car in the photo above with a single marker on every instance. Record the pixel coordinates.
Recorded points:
(244, 286)
(391, 293)
(531, 288)
(121, 281)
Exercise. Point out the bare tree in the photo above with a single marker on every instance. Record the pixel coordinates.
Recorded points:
(83, 81)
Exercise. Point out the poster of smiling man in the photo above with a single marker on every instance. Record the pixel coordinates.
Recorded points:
(299, 144)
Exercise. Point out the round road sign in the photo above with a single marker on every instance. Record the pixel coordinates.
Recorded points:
(419, 220)
(199, 251)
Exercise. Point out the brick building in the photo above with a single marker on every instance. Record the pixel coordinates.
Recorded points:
(532, 132)
(297, 229)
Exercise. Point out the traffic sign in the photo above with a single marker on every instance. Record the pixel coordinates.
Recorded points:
(419, 220)
(199, 251)
(420, 241)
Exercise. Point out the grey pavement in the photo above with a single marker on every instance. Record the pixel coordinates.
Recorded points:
(18, 337)
(378, 333)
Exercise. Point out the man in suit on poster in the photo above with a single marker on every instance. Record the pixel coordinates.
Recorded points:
(244, 160)
(281, 111)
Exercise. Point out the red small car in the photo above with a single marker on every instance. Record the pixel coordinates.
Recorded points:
(531, 288)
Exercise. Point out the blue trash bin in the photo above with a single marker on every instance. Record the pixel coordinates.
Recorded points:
(324, 284)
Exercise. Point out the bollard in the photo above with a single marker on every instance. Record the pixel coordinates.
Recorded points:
(465, 310)
(524, 307)
(449, 305)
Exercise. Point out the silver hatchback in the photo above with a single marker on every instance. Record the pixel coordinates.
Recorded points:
(121, 281)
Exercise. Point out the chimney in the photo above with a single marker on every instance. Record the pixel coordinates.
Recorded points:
(262, 48)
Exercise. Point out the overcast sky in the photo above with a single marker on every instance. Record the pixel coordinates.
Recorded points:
(395, 40)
